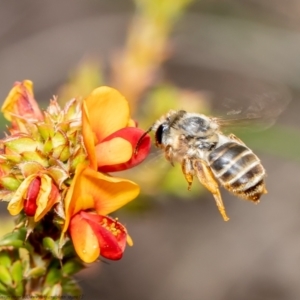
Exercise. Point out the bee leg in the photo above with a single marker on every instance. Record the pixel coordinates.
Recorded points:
(235, 138)
(187, 168)
(206, 177)
(169, 154)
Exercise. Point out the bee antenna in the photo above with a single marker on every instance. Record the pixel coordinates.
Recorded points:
(139, 142)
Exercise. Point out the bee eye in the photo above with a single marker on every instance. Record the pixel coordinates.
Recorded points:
(158, 134)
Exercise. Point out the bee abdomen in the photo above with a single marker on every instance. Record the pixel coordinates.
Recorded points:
(239, 170)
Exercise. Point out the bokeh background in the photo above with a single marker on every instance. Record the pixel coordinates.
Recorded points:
(165, 54)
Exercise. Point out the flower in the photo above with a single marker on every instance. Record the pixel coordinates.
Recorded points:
(20, 105)
(91, 190)
(110, 138)
(108, 132)
(92, 234)
(36, 195)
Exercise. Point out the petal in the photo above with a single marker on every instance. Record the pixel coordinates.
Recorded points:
(91, 189)
(108, 111)
(84, 239)
(30, 204)
(17, 202)
(112, 152)
(109, 193)
(132, 135)
(48, 196)
(74, 200)
(89, 138)
(110, 233)
(20, 102)
(132, 123)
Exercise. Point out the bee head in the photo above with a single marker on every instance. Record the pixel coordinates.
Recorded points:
(159, 134)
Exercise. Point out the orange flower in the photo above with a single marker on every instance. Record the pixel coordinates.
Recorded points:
(104, 194)
(107, 135)
(99, 234)
(20, 104)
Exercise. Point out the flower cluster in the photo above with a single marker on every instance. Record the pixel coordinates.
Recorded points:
(55, 164)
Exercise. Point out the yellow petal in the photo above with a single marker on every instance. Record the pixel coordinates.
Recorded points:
(132, 123)
(16, 204)
(75, 199)
(88, 137)
(108, 111)
(114, 151)
(109, 193)
(44, 200)
(91, 189)
(84, 239)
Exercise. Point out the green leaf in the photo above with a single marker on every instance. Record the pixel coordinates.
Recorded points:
(17, 235)
(45, 130)
(5, 259)
(36, 156)
(36, 272)
(5, 276)
(21, 144)
(67, 248)
(59, 139)
(17, 276)
(54, 276)
(17, 271)
(10, 182)
(52, 246)
(3, 289)
(72, 266)
(14, 158)
(70, 287)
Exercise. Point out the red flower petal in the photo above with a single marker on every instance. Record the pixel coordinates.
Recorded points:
(30, 204)
(111, 236)
(132, 135)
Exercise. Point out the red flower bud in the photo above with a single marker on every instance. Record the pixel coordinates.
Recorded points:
(30, 204)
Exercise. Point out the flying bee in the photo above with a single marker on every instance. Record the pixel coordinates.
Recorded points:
(197, 142)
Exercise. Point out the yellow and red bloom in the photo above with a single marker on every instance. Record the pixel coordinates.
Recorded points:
(102, 234)
(20, 104)
(108, 132)
(93, 191)
(110, 140)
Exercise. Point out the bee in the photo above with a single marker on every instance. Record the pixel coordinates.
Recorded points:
(197, 142)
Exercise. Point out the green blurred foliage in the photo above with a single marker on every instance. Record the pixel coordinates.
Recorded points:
(280, 141)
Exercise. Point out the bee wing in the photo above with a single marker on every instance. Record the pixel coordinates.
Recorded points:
(261, 108)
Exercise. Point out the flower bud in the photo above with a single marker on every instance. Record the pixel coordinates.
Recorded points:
(20, 104)
(30, 204)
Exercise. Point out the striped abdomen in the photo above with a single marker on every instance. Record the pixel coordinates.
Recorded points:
(238, 170)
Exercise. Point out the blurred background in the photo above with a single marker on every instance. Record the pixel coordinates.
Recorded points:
(193, 55)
